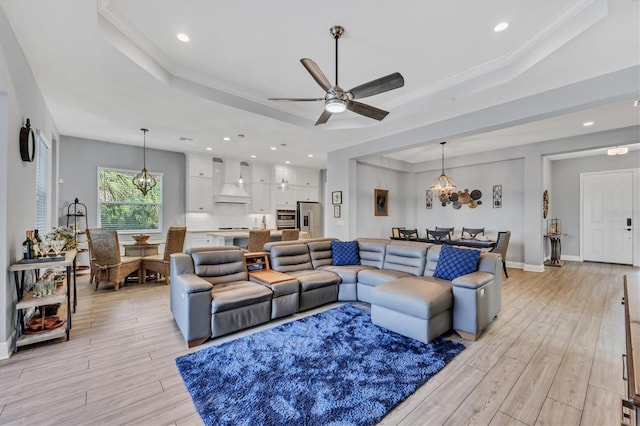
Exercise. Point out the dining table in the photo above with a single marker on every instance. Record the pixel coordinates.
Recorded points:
(465, 242)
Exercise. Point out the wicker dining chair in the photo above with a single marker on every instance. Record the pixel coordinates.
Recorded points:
(108, 265)
(290, 234)
(472, 232)
(502, 244)
(160, 263)
(257, 239)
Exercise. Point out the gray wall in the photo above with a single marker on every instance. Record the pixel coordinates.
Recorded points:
(79, 162)
(565, 196)
(20, 99)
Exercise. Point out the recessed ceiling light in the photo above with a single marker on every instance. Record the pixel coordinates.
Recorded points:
(226, 138)
(253, 156)
(587, 123)
(209, 148)
(310, 155)
(273, 148)
(287, 162)
(183, 37)
(500, 27)
(636, 103)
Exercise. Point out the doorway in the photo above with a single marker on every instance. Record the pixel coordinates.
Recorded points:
(607, 216)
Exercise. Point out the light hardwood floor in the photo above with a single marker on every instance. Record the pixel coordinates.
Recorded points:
(553, 357)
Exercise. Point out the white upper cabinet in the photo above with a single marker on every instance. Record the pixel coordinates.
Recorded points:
(261, 173)
(307, 177)
(199, 166)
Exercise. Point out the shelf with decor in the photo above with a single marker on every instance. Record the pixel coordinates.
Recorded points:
(78, 223)
(48, 292)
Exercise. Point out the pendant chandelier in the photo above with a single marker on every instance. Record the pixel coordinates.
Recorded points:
(443, 186)
(144, 180)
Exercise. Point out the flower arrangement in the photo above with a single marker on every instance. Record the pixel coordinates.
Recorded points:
(63, 233)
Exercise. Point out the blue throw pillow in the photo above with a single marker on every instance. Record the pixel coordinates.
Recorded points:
(344, 253)
(455, 262)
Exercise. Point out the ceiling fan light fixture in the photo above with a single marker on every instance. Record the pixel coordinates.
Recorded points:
(618, 150)
(335, 106)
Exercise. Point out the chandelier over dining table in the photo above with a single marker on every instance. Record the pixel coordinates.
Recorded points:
(144, 180)
(443, 185)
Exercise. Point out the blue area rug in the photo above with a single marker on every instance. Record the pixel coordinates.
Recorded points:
(335, 367)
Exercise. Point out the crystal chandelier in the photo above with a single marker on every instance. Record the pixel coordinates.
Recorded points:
(144, 180)
(443, 186)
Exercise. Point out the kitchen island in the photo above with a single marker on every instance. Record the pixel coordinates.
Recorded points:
(236, 237)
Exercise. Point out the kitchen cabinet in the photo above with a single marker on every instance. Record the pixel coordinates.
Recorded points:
(285, 199)
(200, 166)
(199, 183)
(199, 194)
(307, 177)
(199, 239)
(260, 198)
(307, 194)
(261, 173)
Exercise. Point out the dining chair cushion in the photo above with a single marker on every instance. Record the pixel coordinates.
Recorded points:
(455, 262)
(344, 253)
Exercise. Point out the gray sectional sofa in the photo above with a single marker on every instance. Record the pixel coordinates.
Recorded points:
(212, 293)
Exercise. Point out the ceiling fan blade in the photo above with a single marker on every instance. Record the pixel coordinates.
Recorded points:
(296, 99)
(324, 117)
(380, 85)
(367, 110)
(316, 73)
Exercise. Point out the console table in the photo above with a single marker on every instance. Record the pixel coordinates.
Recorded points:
(555, 241)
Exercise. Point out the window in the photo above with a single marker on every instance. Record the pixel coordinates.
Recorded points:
(42, 184)
(122, 207)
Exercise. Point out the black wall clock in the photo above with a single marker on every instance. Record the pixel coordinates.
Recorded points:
(27, 142)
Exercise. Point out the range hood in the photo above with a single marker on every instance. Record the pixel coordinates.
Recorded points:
(232, 194)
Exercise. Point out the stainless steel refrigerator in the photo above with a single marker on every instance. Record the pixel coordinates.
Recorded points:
(309, 218)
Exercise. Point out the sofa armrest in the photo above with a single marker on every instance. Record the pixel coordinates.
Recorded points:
(473, 280)
(191, 283)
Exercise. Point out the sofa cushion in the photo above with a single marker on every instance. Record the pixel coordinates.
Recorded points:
(312, 279)
(236, 294)
(414, 296)
(455, 262)
(373, 277)
(408, 257)
(348, 273)
(344, 253)
(320, 251)
(290, 257)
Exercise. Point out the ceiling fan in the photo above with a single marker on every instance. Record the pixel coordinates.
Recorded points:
(337, 100)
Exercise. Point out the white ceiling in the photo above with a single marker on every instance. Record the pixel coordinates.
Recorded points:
(108, 68)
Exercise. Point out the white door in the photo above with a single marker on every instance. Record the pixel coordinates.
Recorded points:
(607, 208)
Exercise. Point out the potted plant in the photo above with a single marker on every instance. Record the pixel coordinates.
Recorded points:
(65, 234)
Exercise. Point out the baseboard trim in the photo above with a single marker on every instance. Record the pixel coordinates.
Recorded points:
(6, 348)
(572, 258)
(533, 268)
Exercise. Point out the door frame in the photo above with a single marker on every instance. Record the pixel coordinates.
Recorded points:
(635, 203)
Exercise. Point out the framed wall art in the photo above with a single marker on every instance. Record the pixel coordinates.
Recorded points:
(497, 196)
(429, 199)
(381, 202)
(336, 211)
(336, 197)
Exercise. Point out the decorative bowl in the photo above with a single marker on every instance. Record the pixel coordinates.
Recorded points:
(141, 238)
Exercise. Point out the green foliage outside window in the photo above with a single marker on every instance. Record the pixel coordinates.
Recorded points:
(123, 207)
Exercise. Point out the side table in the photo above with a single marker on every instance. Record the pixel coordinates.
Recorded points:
(555, 242)
(285, 290)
